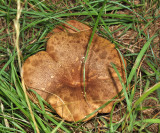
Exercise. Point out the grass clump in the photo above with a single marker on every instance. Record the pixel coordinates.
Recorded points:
(131, 25)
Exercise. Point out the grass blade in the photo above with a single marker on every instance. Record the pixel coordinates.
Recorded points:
(138, 59)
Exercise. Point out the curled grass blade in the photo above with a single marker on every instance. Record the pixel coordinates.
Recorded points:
(149, 91)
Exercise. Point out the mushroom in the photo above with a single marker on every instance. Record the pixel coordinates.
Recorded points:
(71, 26)
(57, 74)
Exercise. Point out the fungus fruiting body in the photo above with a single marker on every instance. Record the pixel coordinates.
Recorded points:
(57, 74)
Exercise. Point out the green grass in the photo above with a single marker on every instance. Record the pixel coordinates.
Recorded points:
(114, 21)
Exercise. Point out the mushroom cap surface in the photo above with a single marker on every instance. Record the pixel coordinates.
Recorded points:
(57, 74)
(71, 26)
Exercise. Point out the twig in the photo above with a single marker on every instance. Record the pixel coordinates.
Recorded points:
(17, 28)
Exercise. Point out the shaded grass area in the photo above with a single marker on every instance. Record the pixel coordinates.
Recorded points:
(133, 26)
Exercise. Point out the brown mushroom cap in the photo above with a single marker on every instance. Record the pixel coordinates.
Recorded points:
(57, 74)
(76, 26)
